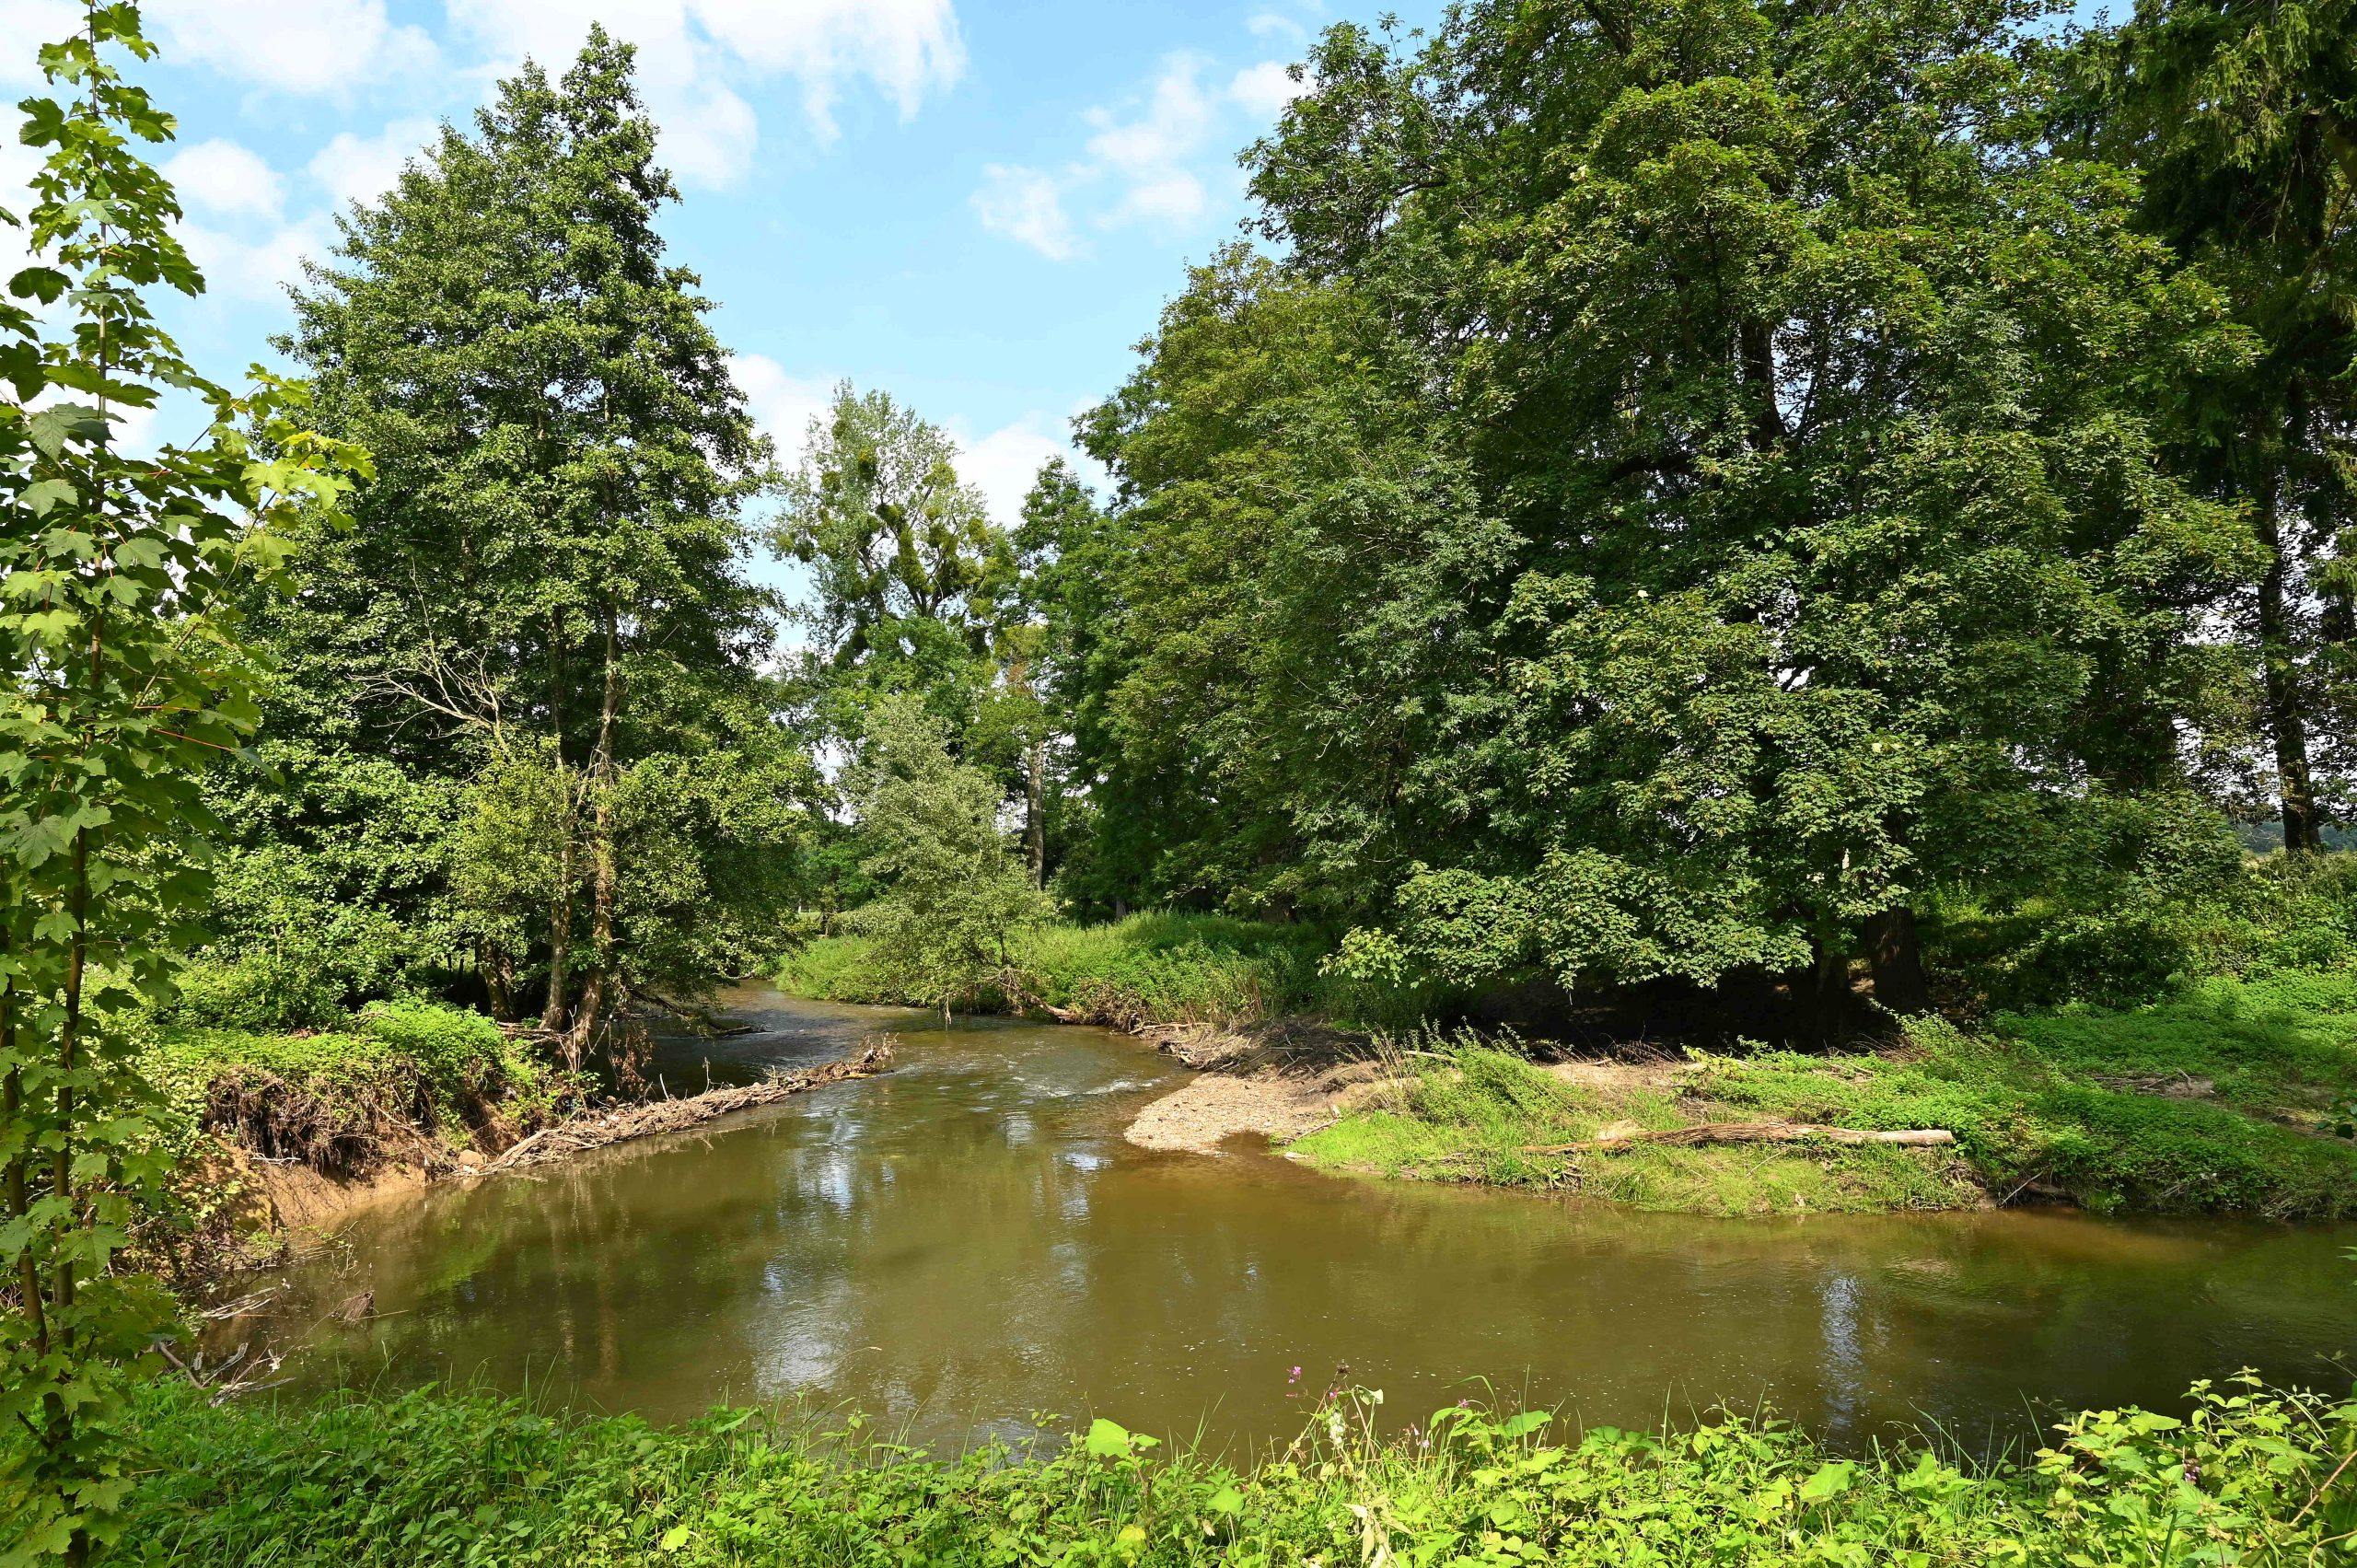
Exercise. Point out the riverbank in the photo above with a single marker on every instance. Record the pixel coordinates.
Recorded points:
(2250, 1474)
(2235, 1094)
(276, 1134)
(2231, 1095)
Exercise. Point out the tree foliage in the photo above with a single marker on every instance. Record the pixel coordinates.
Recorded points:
(2241, 119)
(1694, 486)
(541, 623)
(126, 680)
(954, 896)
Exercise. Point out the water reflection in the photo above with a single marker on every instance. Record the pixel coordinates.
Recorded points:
(969, 1240)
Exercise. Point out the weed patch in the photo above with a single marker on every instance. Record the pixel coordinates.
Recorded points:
(2250, 1474)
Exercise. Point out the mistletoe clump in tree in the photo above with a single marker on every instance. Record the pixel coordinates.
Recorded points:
(126, 680)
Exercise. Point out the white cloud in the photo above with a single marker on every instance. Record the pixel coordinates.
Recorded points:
(1264, 89)
(689, 51)
(361, 169)
(1027, 206)
(258, 269)
(27, 25)
(1267, 24)
(905, 46)
(1176, 119)
(782, 405)
(1003, 464)
(294, 46)
(1135, 163)
(223, 177)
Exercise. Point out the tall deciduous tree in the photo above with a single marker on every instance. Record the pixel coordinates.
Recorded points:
(2241, 116)
(908, 569)
(955, 897)
(1694, 487)
(550, 574)
(125, 680)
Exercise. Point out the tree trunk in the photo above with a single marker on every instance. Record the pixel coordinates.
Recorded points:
(557, 1014)
(69, 1045)
(14, 1190)
(1896, 960)
(555, 1017)
(1829, 987)
(1035, 813)
(594, 998)
(498, 980)
(1755, 344)
(2279, 679)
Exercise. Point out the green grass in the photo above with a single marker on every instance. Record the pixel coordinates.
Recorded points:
(2070, 1102)
(1151, 968)
(426, 1479)
(1467, 1111)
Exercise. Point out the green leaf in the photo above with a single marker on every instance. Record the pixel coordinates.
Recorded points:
(44, 284)
(1830, 1481)
(673, 1539)
(43, 494)
(1107, 1439)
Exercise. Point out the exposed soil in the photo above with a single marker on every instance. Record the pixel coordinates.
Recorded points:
(1614, 1078)
(293, 1199)
(1219, 1106)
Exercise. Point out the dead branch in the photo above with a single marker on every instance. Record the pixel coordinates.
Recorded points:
(595, 1132)
(230, 1376)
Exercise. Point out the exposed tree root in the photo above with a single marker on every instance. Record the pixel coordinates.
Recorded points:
(1622, 1134)
(584, 1133)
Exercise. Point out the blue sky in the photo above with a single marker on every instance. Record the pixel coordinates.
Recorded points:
(978, 204)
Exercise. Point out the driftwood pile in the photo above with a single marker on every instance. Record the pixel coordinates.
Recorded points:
(1622, 1134)
(595, 1132)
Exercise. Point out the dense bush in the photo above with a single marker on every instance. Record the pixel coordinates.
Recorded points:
(2248, 1475)
(2278, 915)
(1149, 968)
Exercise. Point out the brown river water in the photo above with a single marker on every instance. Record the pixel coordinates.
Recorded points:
(967, 1248)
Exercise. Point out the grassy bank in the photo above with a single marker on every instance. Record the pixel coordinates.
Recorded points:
(2227, 1096)
(398, 1078)
(268, 1130)
(426, 1479)
(1151, 968)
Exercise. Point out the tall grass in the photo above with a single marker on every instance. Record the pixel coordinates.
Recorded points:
(2251, 1475)
(2229, 1097)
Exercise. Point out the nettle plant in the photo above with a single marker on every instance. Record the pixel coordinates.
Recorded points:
(125, 681)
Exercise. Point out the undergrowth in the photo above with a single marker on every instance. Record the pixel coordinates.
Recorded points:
(2249, 1475)
(1149, 968)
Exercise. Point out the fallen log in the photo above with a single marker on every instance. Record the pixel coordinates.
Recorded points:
(1621, 1136)
(597, 1131)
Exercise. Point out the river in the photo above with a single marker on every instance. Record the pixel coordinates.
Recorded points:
(968, 1249)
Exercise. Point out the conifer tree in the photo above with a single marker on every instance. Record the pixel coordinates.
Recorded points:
(549, 572)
